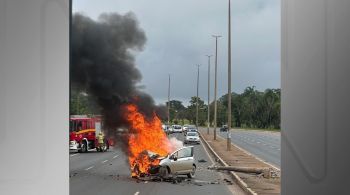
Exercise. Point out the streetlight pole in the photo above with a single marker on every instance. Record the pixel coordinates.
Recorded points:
(208, 92)
(169, 102)
(216, 82)
(197, 94)
(229, 79)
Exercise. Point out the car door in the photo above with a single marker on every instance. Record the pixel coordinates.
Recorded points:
(174, 164)
(185, 160)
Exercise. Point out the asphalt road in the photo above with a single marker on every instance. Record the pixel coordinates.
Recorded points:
(265, 145)
(108, 173)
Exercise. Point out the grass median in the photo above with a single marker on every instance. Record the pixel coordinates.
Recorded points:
(238, 158)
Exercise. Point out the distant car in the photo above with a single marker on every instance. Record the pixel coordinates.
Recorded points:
(187, 128)
(224, 128)
(192, 137)
(184, 128)
(191, 130)
(180, 162)
(166, 128)
(170, 129)
(177, 129)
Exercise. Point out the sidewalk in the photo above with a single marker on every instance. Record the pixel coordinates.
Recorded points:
(237, 157)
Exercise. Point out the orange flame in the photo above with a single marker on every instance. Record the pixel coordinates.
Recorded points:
(145, 135)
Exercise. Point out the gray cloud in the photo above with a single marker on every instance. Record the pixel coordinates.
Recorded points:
(179, 35)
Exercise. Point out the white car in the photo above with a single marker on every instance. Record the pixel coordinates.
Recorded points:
(168, 129)
(180, 162)
(184, 128)
(192, 137)
(177, 129)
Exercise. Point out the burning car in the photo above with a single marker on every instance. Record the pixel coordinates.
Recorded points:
(180, 162)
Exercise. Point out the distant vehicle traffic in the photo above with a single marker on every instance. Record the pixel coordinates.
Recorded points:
(185, 129)
(192, 137)
(190, 130)
(224, 128)
(177, 128)
(167, 129)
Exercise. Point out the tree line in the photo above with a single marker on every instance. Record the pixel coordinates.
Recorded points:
(250, 109)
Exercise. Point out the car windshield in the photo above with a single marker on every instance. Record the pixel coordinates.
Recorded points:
(177, 127)
(192, 134)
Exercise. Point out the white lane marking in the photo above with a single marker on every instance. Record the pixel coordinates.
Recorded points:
(115, 156)
(146, 181)
(74, 154)
(137, 193)
(278, 149)
(104, 161)
(248, 153)
(212, 161)
(89, 168)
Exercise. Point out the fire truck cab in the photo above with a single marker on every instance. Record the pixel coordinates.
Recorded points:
(82, 133)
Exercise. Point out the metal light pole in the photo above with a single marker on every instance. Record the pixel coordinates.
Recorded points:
(216, 82)
(208, 92)
(229, 79)
(169, 102)
(197, 95)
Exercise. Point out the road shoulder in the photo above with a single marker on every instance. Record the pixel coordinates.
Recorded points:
(237, 157)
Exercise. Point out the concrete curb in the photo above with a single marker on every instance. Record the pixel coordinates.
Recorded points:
(239, 181)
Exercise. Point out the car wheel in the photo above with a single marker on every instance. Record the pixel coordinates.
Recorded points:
(163, 172)
(192, 173)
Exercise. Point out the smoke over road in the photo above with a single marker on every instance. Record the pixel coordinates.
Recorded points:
(103, 65)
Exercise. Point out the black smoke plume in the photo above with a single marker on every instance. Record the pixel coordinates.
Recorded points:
(103, 65)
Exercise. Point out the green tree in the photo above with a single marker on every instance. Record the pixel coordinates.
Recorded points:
(82, 103)
(252, 109)
(176, 111)
(191, 111)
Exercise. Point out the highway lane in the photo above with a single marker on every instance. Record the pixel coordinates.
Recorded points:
(108, 173)
(263, 144)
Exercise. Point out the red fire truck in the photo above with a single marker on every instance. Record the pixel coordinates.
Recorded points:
(83, 131)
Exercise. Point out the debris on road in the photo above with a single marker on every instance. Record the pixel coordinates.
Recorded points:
(265, 171)
(236, 157)
(202, 161)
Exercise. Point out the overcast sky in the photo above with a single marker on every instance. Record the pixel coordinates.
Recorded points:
(179, 36)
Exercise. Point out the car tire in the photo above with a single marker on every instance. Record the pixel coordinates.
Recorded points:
(192, 174)
(163, 172)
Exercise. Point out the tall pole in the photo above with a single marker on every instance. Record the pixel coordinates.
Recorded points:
(208, 93)
(229, 79)
(216, 83)
(169, 102)
(197, 95)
